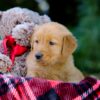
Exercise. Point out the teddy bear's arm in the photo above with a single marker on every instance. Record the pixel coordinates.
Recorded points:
(5, 61)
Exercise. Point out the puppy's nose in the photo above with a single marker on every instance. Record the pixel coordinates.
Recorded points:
(39, 56)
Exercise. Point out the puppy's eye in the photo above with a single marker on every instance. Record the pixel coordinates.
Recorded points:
(52, 43)
(36, 41)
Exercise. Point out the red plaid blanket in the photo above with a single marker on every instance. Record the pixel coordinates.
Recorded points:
(20, 88)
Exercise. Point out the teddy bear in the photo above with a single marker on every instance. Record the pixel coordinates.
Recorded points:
(16, 26)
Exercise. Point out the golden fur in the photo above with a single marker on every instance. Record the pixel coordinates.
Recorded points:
(57, 44)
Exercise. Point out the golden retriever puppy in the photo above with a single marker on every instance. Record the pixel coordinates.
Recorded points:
(51, 54)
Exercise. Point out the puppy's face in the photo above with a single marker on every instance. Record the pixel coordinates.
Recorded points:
(51, 45)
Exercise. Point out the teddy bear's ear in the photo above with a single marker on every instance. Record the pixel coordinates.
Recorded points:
(36, 27)
(69, 45)
(1, 14)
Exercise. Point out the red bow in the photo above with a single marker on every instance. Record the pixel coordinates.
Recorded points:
(15, 49)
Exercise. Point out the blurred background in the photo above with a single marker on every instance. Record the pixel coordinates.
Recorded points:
(82, 17)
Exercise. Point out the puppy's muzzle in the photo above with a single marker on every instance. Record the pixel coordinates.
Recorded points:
(38, 56)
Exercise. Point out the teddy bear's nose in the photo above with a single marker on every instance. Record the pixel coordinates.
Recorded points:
(38, 55)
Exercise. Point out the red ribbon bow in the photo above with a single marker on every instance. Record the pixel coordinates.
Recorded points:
(15, 49)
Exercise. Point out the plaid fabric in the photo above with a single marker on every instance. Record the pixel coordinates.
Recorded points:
(20, 88)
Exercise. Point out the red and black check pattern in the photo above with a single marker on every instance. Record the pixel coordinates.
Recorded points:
(20, 88)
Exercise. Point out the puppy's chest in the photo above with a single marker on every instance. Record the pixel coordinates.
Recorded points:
(46, 73)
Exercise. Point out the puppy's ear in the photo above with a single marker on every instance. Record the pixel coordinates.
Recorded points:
(68, 45)
(36, 27)
(31, 42)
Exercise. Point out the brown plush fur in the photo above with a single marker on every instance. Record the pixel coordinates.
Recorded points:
(57, 44)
